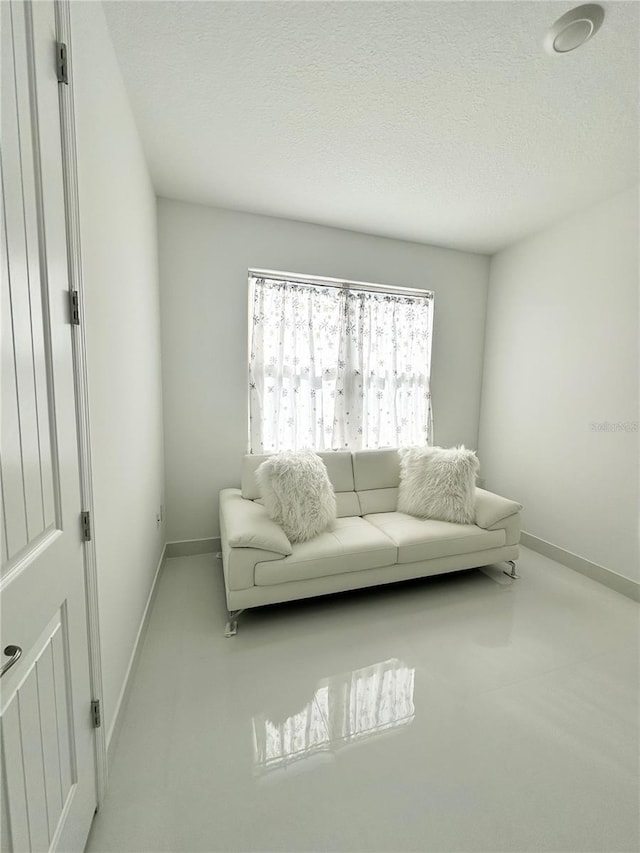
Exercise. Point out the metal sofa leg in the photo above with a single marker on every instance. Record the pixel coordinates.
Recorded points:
(512, 574)
(231, 628)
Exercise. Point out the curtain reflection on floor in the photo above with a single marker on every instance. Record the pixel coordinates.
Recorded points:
(345, 708)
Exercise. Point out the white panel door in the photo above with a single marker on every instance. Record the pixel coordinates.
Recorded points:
(48, 764)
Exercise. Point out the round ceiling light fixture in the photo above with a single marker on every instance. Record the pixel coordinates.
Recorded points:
(574, 28)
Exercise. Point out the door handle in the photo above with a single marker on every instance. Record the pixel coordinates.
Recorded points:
(16, 654)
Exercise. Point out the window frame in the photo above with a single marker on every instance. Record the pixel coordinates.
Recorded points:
(341, 284)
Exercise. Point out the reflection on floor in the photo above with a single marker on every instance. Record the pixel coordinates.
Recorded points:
(345, 708)
(462, 713)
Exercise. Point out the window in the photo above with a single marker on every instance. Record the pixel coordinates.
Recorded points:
(336, 365)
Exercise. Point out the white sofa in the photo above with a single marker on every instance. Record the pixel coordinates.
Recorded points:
(370, 543)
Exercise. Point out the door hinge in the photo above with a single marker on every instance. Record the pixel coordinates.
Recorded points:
(96, 718)
(74, 308)
(85, 521)
(62, 67)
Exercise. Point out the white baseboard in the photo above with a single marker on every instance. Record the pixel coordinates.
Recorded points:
(189, 547)
(598, 573)
(114, 731)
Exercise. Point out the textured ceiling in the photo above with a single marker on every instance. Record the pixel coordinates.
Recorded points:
(441, 122)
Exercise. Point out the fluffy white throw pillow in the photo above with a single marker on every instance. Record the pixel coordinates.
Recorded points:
(297, 493)
(438, 483)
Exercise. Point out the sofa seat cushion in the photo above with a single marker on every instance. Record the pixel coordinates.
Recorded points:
(350, 545)
(427, 539)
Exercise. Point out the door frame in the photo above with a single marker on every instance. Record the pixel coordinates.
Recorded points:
(81, 381)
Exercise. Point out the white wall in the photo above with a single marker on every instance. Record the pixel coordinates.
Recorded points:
(205, 254)
(561, 354)
(119, 248)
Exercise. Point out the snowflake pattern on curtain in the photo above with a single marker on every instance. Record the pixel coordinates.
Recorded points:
(336, 368)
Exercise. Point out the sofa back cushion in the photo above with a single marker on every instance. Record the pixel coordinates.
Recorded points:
(339, 468)
(347, 504)
(365, 481)
(376, 469)
(377, 477)
(378, 500)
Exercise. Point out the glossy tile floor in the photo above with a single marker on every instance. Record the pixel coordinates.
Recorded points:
(468, 712)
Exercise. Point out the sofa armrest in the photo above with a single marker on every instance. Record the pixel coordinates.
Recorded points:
(247, 525)
(492, 511)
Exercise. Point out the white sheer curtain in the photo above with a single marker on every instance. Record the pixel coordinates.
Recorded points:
(335, 368)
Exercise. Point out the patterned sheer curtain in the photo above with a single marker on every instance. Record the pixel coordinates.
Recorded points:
(335, 368)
